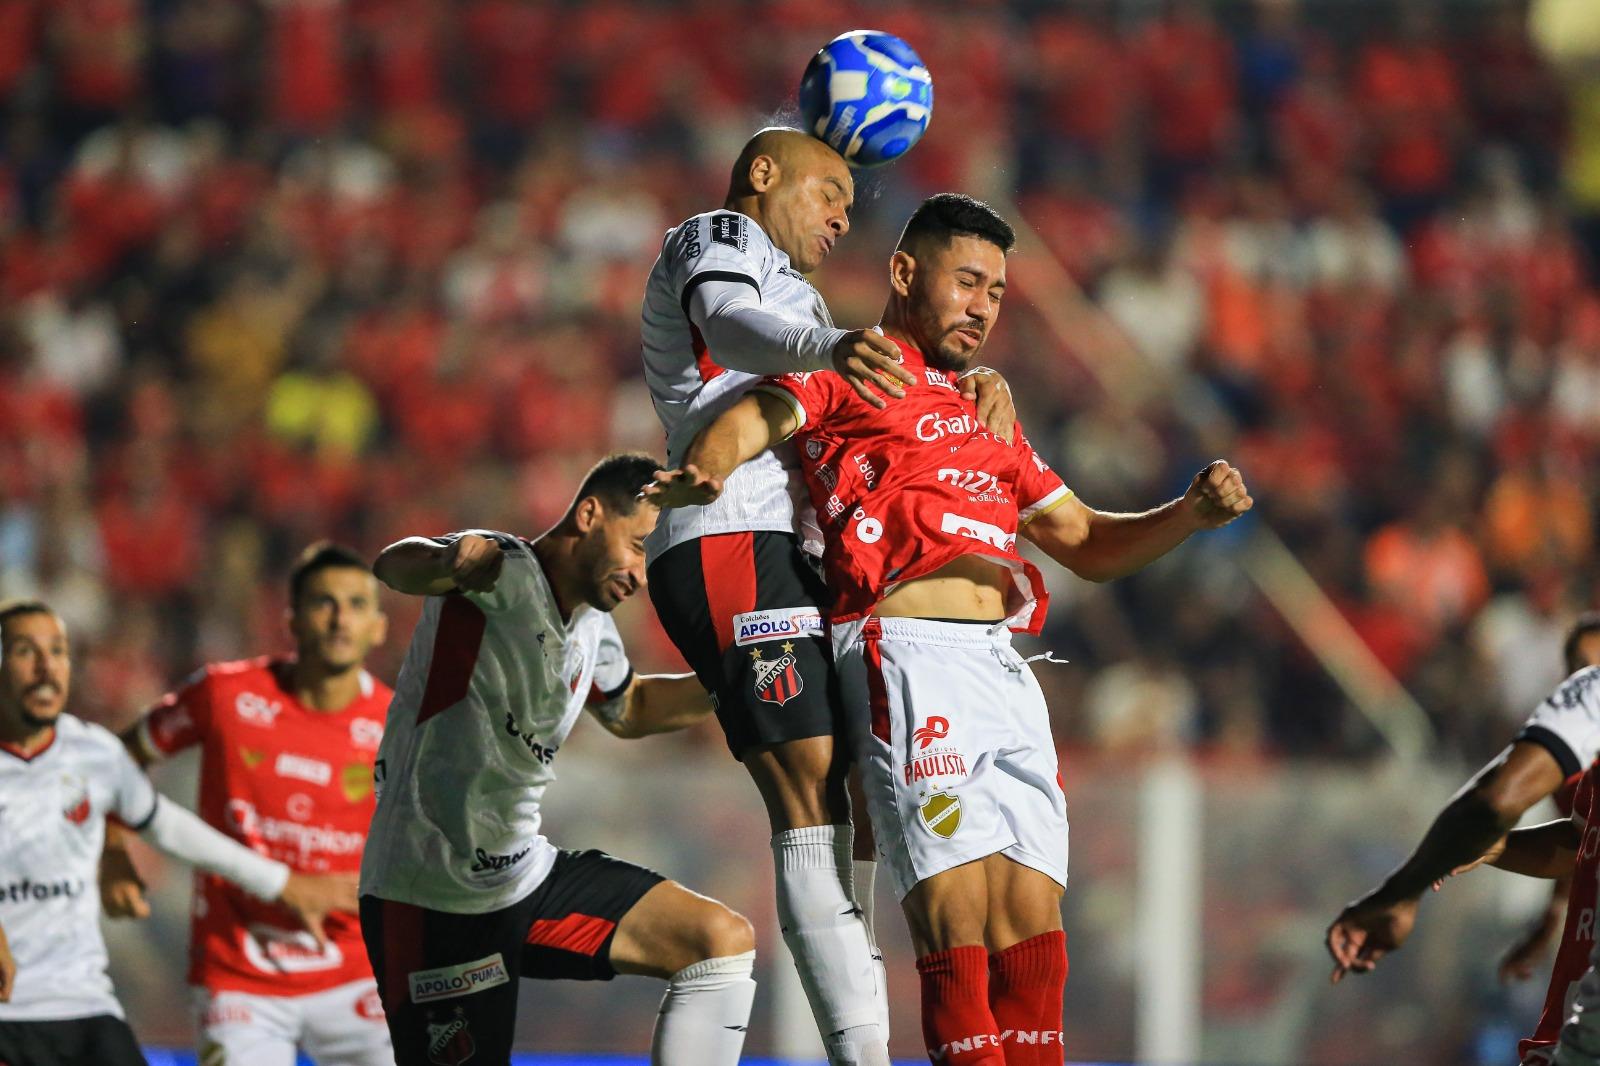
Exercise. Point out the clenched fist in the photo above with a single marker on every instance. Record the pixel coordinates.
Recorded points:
(1218, 495)
(474, 562)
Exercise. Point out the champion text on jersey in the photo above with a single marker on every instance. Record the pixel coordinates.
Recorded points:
(447, 982)
(778, 681)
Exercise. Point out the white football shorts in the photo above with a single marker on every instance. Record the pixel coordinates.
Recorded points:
(953, 738)
(342, 1026)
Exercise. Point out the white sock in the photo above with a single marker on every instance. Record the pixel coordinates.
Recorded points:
(864, 875)
(705, 1013)
(823, 927)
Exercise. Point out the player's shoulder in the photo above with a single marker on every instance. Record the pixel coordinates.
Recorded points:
(722, 230)
(375, 695)
(83, 737)
(1580, 689)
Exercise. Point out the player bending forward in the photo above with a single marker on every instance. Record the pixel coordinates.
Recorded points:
(920, 507)
(726, 302)
(60, 778)
(461, 895)
(286, 746)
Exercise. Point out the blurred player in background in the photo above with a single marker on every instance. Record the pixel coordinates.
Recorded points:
(462, 895)
(727, 302)
(1558, 741)
(287, 745)
(60, 779)
(920, 506)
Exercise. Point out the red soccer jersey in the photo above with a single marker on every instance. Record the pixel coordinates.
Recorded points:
(902, 490)
(1577, 935)
(292, 783)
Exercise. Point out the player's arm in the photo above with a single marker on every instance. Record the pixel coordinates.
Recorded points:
(422, 566)
(1548, 850)
(1100, 546)
(1482, 812)
(743, 335)
(760, 419)
(8, 969)
(654, 703)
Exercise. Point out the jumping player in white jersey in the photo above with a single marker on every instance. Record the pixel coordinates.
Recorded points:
(60, 779)
(461, 894)
(921, 508)
(727, 302)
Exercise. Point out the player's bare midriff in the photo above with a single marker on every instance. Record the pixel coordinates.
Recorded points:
(969, 587)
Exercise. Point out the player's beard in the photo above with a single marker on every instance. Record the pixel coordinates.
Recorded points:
(34, 721)
(945, 356)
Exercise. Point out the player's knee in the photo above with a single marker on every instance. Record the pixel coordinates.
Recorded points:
(724, 932)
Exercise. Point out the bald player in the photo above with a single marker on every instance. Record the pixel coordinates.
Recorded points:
(726, 303)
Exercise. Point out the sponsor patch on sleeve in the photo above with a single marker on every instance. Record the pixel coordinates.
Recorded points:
(729, 230)
(463, 979)
(785, 623)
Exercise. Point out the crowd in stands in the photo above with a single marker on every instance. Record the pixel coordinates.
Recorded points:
(275, 271)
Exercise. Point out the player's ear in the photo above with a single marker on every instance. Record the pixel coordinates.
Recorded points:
(587, 514)
(902, 268)
(764, 173)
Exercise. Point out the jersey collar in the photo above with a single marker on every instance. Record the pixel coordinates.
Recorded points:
(16, 752)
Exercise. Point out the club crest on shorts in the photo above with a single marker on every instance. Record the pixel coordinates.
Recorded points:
(450, 1042)
(941, 814)
(779, 680)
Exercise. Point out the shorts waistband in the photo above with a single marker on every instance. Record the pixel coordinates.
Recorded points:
(932, 631)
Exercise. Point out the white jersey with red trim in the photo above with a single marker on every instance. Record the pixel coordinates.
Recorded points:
(902, 490)
(690, 385)
(290, 782)
(1567, 722)
(53, 808)
(491, 685)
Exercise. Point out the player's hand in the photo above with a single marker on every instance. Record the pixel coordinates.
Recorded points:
(869, 361)
(8, 969)
(1365, 932)
(121, 888)
(1495, 851)
(685, 487)
(1523, 957)
(992, 396)
(474, 562)
(1218, 495)
(312, 897)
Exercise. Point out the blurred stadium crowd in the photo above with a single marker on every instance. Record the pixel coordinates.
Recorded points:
(282, 270)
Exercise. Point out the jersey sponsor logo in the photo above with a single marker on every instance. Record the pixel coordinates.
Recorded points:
(227, 1012)
(935, 728)
(869, 530)
(729, 230)
(366, 733)
(487, 862)
(932, 427)
(778, 680)
(755, 627)
(973, 529)
(251, 757)
(287, 951)
(450, 1042)
(370, 1006)
(939, 764)
(543, 752)
(941, 814)
(979, 482)
(869, 473)
(826, 477)
(463, 979)
(356, 781)
(28, 890)
(1041, 1037)
(252, 827)
(302, 768)
(257, 709)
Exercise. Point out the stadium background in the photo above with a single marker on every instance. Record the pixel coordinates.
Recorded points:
(274, 271)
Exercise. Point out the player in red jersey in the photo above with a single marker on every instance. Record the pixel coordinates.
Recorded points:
(920, 507)
(287, 747)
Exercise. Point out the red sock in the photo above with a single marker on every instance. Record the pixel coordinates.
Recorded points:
(1025, 985)
(956, 1022)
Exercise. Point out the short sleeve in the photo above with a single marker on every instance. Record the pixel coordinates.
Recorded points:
(613, 673)
(814, 396)
(1040, 489)
(181, 720)
(1567, 723)
(720, 246)
(517, 580)
(133, 799)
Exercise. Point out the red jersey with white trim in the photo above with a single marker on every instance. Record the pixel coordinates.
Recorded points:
(1577, 934)
(904, 489)
(290, 782)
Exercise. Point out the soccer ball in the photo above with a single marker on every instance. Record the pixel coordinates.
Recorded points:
(868, 96)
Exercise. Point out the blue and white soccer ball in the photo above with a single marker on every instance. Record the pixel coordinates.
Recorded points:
(868, 96)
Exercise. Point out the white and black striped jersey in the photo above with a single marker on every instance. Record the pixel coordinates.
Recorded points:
(491, 685)
(715, 270)
(53, 808)
(1567, 723)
